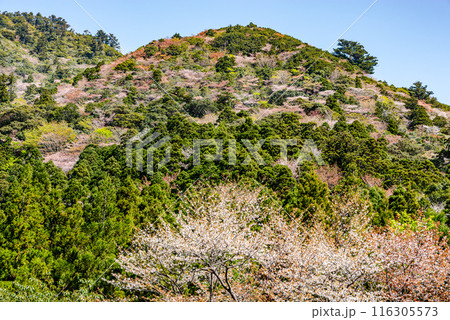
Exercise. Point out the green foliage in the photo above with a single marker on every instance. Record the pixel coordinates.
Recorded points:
(224, 100)
(278, 97)
(355, 53)
(392, 126)
(176, 49)
(380, 204)
(237, 40)
(33, 290)
(385, 110)
(50, 37)
(127, 65)
(46, 97)
(199, 108)
(368, 80)
(68, 113)
(307, 55)
(210, 33)
(440, 122)
(309, 194)
(157, 75)
(51, 137)
(319, 67)
(198, 55)
(419, 91)
(404, 201)
(333, 104)
(226, 64)
(8, 34)
(326, 84)
(150, 50)
(419, 116)
(250, 40)
(436, 104)
(6, 89)
(227, 115)
(132, 96)
(195, 41)
(89, 73)
(264, 73)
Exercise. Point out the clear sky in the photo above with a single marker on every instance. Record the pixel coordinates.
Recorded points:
(411, 38)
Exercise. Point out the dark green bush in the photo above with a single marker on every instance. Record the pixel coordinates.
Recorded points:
(127, 65)
(151, 50)
(176, 49)
(199, 108)
(226, 64)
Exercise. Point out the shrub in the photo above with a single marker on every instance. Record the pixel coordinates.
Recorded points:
(101, 135)
(348, 67)
(240, 40)
(278, 97)
(419, 116)
(210, 33)
(440, 121)
(333, 104)
(319, 67)
(227, 115)
(368, 80)
(199, 108)
(198, 55)
(127, 65)
(225, 64)
(326, 84)
(51, 137)
(392, 126)
(150, 50)
(46, 97)
(176, 49)
(131, 96)
(264, 73)
(8, 34)
(157, 75)
(195, 41)
(6, 87)
(224, 100)
(69, 113)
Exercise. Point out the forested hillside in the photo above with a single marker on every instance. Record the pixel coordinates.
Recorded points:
(78, 223)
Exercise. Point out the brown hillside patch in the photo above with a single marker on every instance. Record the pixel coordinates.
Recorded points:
(216, 55)
(66, 159)
(331, 175)
(392, 139)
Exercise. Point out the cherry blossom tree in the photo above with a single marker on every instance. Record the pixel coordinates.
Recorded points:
(233, 243)
(211, 237)
(414, 263)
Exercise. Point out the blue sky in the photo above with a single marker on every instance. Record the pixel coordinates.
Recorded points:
(411, 38)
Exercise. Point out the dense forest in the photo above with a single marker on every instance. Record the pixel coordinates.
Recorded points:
(77, 223)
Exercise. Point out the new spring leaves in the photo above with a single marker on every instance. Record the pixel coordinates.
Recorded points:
(150, 142)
